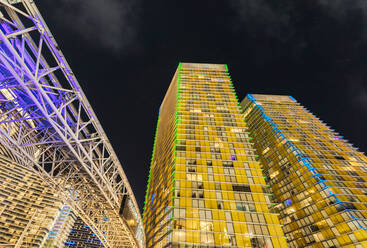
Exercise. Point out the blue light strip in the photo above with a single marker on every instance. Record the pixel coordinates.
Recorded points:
(304, 161)
(291, 97)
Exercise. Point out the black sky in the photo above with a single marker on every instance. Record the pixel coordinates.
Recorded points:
(125, 52)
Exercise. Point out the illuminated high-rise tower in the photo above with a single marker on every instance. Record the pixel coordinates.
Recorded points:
(317, 178)
(205, 187)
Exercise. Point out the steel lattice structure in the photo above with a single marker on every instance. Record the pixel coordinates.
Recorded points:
(47, 123)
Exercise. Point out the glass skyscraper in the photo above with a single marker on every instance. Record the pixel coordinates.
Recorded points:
(205, 188)
(318, 179)
(28, 207)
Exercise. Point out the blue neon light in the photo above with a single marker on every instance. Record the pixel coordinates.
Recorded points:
(291, 97)
(70, 243)
(301, 159)
(249, 96)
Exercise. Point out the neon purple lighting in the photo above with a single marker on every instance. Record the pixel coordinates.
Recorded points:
(40, 94)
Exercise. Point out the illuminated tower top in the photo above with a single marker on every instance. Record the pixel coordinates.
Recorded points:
(205, 186)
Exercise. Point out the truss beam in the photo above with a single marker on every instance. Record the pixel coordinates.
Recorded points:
(47, 123)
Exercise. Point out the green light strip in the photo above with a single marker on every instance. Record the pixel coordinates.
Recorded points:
(232, 86)
(177, 120)
(150, 168)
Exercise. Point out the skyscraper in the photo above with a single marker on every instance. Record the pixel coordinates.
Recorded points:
(205, 187)
(28, 207)
(318, 179)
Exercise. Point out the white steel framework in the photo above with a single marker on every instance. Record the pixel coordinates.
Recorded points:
(48, 125)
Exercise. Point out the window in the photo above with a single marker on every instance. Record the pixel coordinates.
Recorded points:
(191, 162)
(208, 214)
(227, 164)
(241, 188)
(181, 148)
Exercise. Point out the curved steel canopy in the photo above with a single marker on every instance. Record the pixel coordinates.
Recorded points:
(48, 124)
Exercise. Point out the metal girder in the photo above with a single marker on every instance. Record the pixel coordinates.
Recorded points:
(48, 124)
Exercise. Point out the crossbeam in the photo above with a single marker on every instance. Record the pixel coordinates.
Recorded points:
(47, 123)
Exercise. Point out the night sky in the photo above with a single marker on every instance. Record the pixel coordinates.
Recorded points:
(125, 52)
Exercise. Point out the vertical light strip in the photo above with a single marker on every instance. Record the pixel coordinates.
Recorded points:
(151, 164)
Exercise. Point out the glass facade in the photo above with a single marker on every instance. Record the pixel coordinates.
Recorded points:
(318, 179)
(61, 228)
(205, 188)
(28, 207)
(82, 236)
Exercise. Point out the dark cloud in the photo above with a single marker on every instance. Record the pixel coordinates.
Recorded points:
(263, 17)
(358, 90)
(109, 23)
(362, 98)
(342, 8)
(280, 18)
(330, 33)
